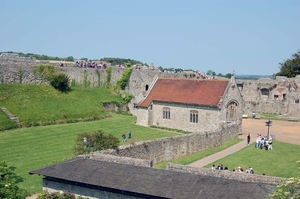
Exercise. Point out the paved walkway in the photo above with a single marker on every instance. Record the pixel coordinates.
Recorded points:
(214, 157)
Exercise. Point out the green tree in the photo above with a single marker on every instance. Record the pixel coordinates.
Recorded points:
(97, 141)
(228, 75)
(290, 67)
(60, 81)
(210, 72)
(8, 183)
(288, 188)
(70, 58)
(85, 59)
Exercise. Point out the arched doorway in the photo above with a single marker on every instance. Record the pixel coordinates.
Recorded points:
(232, 111)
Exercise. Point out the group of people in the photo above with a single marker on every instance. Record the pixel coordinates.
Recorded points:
(238, 169)
(263, 142)
(94, 64)
(124, 135)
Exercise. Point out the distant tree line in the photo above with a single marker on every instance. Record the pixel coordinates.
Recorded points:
(121, 61)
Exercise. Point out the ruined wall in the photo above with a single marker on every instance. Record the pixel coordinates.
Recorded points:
(17, 70)
(119, 159)
(243, 177)
(173, 147)
(279, 96)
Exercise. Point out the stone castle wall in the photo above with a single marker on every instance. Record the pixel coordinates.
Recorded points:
(243, 177)
(279, 96)
(166, 149)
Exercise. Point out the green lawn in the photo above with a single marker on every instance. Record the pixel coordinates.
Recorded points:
(281, 161)
(36, 147)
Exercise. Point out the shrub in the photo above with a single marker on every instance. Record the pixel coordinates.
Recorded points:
(57, 195)
(97, 141)
(125, 77)
(60, 82)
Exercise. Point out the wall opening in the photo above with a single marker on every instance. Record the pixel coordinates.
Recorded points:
(231, 111)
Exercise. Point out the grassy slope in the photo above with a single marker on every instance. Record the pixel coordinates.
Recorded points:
(38, 103)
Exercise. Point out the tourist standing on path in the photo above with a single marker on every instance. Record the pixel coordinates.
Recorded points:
(248, 138)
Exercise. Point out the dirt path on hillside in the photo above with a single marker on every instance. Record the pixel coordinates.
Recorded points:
(283, 130)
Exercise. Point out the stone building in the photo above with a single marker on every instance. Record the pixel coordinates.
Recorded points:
(279, 96)
(193, 105)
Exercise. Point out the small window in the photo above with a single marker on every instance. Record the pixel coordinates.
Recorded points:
(276, 97)
(134, 105)
(297, 101)
(166, 113)
(151, 107)
(194, 116)
(265, 91)
(284, 96)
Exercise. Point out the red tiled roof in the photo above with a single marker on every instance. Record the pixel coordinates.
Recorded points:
(188, 91)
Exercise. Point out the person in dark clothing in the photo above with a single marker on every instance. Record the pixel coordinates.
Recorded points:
(248, 138)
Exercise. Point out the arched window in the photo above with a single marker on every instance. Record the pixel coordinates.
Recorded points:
(146, 87)
(231, 112)
(166, 113)
(194, 116)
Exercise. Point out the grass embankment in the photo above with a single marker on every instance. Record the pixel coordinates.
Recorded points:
(37, 105)
(36, 147)
(280, 162)
(5, 122)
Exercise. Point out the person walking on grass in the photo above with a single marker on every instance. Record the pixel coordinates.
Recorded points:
(129, 134)
(270, 144)
(124, 137)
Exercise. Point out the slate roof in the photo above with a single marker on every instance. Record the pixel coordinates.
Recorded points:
(187, 91)
(152, 182)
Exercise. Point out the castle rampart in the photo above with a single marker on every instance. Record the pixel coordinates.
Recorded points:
(278, 96)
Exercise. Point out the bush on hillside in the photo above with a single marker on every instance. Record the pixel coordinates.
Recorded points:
(60, 82)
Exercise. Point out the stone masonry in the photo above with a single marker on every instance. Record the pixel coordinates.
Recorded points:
(278, 96)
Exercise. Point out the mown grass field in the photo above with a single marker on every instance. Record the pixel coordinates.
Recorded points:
(281, 161)
(36, 147)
